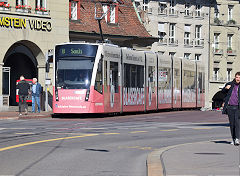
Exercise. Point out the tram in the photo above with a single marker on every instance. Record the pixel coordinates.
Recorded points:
(105, 78)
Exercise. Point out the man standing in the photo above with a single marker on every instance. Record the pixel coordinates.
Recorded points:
(232, 106)
(23, 91)
(36, 91)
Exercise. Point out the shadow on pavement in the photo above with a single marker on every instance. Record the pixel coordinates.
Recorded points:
(221, 142)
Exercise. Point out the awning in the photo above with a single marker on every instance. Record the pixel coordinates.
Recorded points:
(161, 27)
(187, 28)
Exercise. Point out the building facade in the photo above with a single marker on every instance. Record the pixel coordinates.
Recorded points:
(28, 30)
(182, 27)
(224, 45)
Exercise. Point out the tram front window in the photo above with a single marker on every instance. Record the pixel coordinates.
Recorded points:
(74, 73)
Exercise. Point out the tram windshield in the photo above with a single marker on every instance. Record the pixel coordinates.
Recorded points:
(74, 73)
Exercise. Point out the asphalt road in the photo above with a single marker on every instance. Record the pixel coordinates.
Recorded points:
(112, 146)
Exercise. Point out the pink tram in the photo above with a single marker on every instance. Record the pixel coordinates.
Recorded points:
(105, 78)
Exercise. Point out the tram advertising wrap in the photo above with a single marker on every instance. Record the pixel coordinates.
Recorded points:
(105, 78)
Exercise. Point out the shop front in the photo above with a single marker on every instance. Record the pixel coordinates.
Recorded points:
(27, 34)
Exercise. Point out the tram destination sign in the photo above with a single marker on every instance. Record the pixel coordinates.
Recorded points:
(73, 50)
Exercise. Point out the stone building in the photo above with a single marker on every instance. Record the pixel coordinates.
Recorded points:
(182, 27)
(28, 30)
(224, 45)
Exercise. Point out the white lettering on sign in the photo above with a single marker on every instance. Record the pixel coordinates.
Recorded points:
(71, 98)
(133, 96)
(70, 106)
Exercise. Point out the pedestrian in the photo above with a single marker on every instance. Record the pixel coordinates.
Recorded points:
(232, 106)
(36, 92)
(23, 91)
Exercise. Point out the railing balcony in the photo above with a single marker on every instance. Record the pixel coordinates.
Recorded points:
(199, 43)
(188, 43)
(218, 22)
(231, 22)
(162, 11)
(199, 14)
(217, 51)
(162, 41)
(231, 52)
(188, 14)
(172, 41)
(173, 12)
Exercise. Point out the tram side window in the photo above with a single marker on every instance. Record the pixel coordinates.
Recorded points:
(98, 81)
(151, 82)
(133, 76)
(114, 75)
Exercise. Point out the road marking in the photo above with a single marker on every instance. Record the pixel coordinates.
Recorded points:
(133, 132)
(110, 133)
(2, 128)
(135, 147)
(43, 141)
(24, 133)
(202, 128)
(170, 130)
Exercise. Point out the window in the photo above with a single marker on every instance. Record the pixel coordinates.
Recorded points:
(187, 9)
(229, 73)
(21, 2)
(172, 33)
(133, 75)
(172, 6)
(216, 11)
(198, 10)
(187, 56)
(216, 41)
(187, 29)
(111, 12)
(41, 4)
(145, 5)
(197, 57)
(114, 76)
(74, 9)
(162, 8)
(98, 82)
(161, 32)
(229, 41)
(172, 54)
(215, 73)
(230, 12)
(198, 35)
(21, 6)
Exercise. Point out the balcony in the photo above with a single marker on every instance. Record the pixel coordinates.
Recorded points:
(173, 12)
(188, 43)
(218, 79)
(4, 6)
(162, 11)
(188, 14)
(199, 43)
(231, 52)
(162, 41)
(231, 22)
(218, 22)
(217, 51)
(172, 42)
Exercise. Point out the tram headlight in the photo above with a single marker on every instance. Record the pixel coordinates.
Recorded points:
(86, 82)
(87, 95)
(56, 94)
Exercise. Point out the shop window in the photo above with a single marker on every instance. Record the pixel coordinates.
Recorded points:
(74, 9)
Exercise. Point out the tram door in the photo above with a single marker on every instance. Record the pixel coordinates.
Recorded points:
(6, 85)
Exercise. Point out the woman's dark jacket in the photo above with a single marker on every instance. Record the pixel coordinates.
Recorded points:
(228, 93)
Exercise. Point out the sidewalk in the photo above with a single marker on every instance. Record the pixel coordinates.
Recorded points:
(13, 114)
(213, 158)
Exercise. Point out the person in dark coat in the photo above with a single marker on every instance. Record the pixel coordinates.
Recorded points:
(23, 91)
(232, 106)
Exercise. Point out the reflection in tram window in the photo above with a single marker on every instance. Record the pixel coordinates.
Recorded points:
(151, 81)
(133, 76)
(98, 81)
(114, 75)
(74, 74)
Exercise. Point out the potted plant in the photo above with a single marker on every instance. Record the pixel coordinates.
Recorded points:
(229, 50)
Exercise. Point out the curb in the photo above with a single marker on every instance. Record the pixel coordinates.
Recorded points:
(155, 163)
(16, 117)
